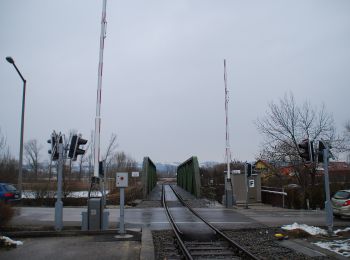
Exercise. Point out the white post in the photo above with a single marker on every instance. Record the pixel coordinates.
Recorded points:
(99, 92)
(229, 187)
(228, 152)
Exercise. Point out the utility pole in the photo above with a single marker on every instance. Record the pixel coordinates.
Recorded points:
(229, 197)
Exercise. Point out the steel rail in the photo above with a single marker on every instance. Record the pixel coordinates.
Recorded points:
(231, 242)
(175, 228)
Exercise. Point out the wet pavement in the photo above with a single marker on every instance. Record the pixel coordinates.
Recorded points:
(81, 247)
(188, 223)
(154, 218)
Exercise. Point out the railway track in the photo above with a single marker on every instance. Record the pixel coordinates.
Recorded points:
(221, 247)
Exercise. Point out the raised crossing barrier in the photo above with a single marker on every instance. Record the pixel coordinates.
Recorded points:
(188, 176)
(149, 176)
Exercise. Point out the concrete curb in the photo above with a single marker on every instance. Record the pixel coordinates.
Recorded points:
(68, 233)
(147, 247)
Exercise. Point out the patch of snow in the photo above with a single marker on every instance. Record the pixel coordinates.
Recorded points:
(309, 229)
(28, 195)
(342, 230)
(78, 194)
(73, 194)
(341, 247)
(10, 241)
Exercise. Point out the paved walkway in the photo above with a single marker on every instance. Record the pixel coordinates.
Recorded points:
(76, 247)
(276, 217)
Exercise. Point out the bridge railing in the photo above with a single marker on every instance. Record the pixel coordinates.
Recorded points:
(188, 176)
(149, 176)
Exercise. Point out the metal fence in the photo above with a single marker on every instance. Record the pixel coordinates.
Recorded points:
(188, 176)
(149, 176)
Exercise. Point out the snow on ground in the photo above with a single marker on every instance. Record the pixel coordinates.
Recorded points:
(73, 194)
(309, 229)
(342, 230)
(9, 241)
(341, 247)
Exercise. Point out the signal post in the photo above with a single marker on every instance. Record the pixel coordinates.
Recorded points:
(323, 156)
(307, 153)
(58, 153)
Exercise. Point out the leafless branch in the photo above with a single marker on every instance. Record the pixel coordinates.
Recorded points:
(286, 124)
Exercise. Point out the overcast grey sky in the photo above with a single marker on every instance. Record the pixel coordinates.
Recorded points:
(163, 89)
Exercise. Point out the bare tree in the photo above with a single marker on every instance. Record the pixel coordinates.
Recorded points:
(5, 154)
(347, 127)
(90, 156)
(32, 154)
(123, 162)
(112, 145)
(8, 164)
(83, 159)
(347, 140)
(120, 160)
(108, 156)
(2, 143)
(286, 124)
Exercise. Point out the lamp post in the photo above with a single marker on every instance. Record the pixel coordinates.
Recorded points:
(10, 60)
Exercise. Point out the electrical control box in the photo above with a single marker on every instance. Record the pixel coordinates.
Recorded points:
(94, 212)
(122, 180)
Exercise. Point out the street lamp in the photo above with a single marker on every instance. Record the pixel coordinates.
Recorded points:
(10, 60)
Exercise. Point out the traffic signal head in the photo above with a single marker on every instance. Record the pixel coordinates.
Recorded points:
(101, 169)
(249, 170)
(306, 150)
(74, 149)
(322, 145)
(54, 148)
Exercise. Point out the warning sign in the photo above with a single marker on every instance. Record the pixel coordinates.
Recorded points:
(122, 180)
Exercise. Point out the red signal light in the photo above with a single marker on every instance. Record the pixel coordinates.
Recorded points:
(9, 194)
(346, 203)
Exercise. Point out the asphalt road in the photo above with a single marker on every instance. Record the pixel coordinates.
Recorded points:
(156, 219)
(92, 247)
